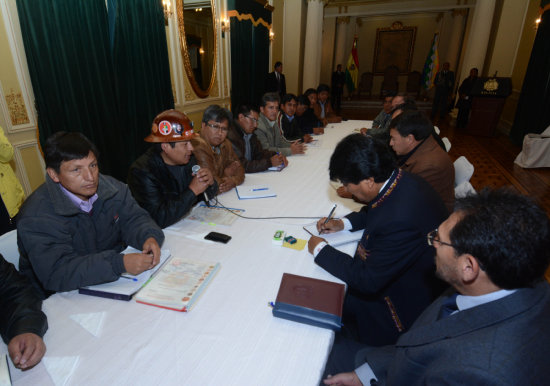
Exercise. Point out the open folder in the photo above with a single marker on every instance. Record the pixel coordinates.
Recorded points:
(126, 286)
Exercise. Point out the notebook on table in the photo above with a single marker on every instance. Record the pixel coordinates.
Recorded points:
(310, 301)
(179, 284)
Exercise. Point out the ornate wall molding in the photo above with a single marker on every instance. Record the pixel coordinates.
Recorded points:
(17, 108)
(247, 16)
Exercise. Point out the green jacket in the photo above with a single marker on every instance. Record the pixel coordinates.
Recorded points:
(10, 187)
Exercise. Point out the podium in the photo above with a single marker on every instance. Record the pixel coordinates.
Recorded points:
(488, 97)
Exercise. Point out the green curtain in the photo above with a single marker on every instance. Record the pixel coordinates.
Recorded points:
(142, 70)
(70, 65)
(249, 53)
(79, 85)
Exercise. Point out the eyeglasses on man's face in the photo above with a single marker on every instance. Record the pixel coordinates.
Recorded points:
(433, 237)
(252, 118)
(218, 127)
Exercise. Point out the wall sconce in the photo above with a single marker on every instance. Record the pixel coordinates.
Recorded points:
(167, 9)
(201, 51)
(224, 23)
(271, 35)
(537, 22)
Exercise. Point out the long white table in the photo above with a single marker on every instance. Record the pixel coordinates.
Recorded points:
(230, 337)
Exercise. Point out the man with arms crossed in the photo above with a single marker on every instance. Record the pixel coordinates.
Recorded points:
(73, 228)
(491, 327)
(162, 180)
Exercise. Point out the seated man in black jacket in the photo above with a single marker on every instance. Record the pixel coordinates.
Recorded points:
(306, 118)
(287, 120)
(246, 145)
(22, 324)
(162, 180)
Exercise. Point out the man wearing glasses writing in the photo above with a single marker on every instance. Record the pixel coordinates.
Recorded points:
(214, 152)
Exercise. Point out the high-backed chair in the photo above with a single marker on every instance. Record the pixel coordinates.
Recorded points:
(390, 82)
(413, 83)
(365, 85)
(464, 170)
(8, 247)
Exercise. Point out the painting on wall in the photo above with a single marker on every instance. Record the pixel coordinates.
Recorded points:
(394, 47)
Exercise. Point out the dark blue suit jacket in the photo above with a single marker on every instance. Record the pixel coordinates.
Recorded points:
(504, 342)
(395, 281)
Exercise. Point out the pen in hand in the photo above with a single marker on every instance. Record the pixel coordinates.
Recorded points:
(328, 217)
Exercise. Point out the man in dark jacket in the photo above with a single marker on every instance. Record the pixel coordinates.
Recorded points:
(275, 81)
(391, 277)
(492, 327)
(465, 99)
(72, 229)
(162, 180)
(287, 120)
(305, 117)
(246, 145)
(22, 323)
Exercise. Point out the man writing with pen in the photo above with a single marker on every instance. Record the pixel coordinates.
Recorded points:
(73, 228)
(391, 277)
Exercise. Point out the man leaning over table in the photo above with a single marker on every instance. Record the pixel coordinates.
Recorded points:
(72, 229)
(270, 133)
(162, 180)
(22, 323)
(391, 277)
(492, 327)
(252, 155)
(214, 151)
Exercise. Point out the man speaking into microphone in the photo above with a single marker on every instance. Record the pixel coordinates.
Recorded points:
(166, 180)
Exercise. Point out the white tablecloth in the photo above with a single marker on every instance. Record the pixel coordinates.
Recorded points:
(230, 337)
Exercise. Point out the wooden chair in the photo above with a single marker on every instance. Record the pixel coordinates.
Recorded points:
(365, 85)
(413, 83)
(390, 82)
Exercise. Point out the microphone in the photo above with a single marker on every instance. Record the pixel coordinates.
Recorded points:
(195, 169)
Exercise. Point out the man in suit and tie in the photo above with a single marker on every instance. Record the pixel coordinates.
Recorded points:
(491, 327)
(275, 81)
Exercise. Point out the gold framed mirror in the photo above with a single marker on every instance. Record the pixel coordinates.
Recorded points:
(199, 43)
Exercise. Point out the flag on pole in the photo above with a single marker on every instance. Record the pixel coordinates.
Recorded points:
(432, 65)
(352, 68)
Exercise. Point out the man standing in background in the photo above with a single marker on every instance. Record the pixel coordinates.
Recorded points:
(275, 81)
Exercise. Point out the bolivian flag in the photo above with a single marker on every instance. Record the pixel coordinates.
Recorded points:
(432, 64)
(352, 68)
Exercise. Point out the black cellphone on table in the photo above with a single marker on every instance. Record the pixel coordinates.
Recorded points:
(219, 237)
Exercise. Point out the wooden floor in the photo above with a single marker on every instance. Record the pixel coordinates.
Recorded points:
(493, 158)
